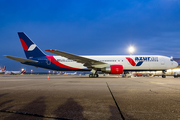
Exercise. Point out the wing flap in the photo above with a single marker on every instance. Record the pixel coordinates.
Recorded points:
(22, 60)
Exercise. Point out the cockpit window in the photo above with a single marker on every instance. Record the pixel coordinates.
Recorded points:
(171, 59)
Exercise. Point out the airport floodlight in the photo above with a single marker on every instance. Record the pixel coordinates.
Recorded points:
(49, 72)
(31, 71)
(22, 69)
(131, 50)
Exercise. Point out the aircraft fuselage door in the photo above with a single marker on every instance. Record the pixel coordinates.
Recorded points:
(162, 62)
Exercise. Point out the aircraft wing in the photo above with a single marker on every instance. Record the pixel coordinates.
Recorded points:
(22, 60)
(86, 61)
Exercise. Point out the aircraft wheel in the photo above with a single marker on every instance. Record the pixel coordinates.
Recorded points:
(175, 76)
(93, 75)
(163, 76)
(90, 75)
(96, 75)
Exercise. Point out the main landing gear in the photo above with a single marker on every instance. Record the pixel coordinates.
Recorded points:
(94, 74)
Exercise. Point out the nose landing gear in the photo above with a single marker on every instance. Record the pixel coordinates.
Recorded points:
(164, 74)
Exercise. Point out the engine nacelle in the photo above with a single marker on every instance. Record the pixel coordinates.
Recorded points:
(113, 69)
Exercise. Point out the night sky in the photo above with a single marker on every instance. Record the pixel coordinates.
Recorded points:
(90, 27)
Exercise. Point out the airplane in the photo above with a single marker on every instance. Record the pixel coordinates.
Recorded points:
(114, 64)
(2, 71)
(16, 72)
(68, 73)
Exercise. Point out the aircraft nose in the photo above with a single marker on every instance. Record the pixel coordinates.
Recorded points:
(175, 64)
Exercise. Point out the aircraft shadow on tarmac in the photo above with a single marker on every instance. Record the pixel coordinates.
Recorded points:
(35, 107)
(71, 109)
(68, 111)
(5, 102)
(4, 94)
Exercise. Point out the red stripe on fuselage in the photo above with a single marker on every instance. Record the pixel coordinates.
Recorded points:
(54, 61)
(25, 47)
(131, 61)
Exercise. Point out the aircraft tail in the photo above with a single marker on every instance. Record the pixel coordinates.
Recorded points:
(30, 48)
(23, 70)
(3, 69)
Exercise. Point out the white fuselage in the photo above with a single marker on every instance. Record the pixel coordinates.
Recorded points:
(137, 62)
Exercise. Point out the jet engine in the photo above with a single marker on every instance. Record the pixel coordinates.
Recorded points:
(113, 69)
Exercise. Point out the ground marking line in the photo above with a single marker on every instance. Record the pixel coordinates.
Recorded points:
(115, 102)
(33, 114)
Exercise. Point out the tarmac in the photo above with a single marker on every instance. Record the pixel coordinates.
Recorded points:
(34, 97)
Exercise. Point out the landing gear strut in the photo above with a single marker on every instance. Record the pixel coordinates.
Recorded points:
(125, 74)
(94, 74)
(163, 74)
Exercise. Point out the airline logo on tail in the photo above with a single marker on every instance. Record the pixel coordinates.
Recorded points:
(23, 70)
(25, 47)
(3, 69)
(30, 48)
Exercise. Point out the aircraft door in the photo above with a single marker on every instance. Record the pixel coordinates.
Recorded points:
(162, 62)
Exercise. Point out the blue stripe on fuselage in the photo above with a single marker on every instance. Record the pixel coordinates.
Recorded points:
(43, 62)
(139, 63)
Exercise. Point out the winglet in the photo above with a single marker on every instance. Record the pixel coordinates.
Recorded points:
(3, 69)
(50, 50)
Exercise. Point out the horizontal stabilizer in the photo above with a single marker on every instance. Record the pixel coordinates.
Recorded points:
(22, 60)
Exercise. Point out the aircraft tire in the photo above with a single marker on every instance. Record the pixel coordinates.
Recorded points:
(96, 75)
(175, 76)
(93, 75)
(90, 75)
(163, 76)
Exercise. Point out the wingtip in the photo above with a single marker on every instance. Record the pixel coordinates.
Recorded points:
(50, 50)
(20, 32)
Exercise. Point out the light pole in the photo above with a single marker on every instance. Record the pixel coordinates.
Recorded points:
(31, 71)
(131, 50)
